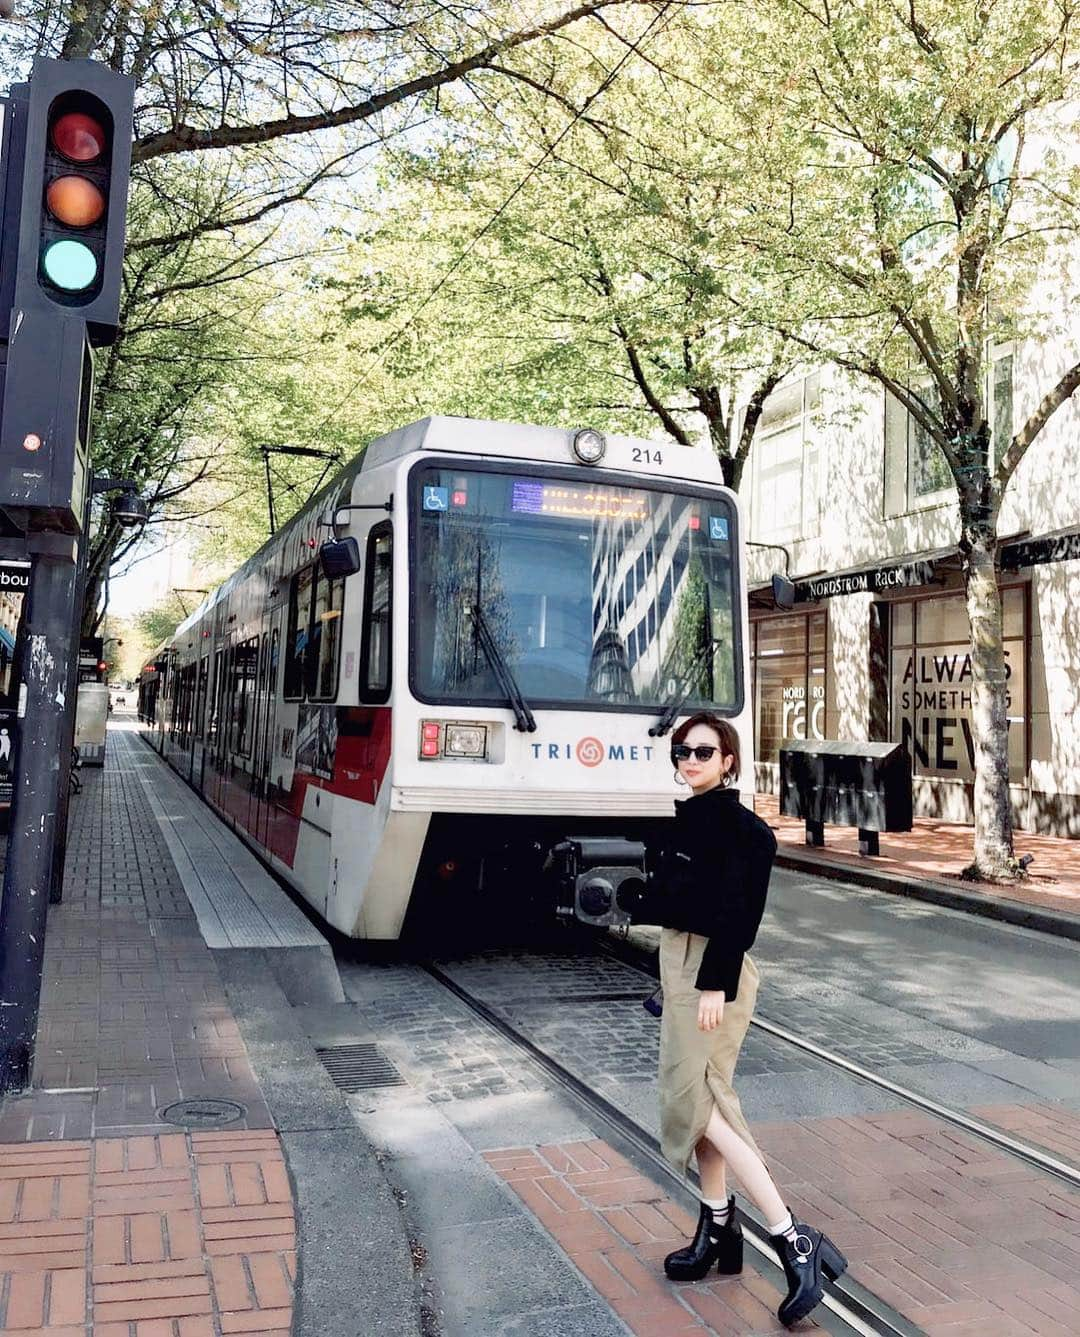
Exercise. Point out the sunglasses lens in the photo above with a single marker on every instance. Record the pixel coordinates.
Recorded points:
(681, 753)
(704, 753)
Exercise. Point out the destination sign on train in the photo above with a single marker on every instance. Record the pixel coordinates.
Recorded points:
(536, 498)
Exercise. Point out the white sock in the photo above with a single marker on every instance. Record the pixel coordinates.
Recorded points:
(721, 1212)
(785, 1226)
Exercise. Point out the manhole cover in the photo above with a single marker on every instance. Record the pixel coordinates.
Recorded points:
(359, 1067)
(206, 1113)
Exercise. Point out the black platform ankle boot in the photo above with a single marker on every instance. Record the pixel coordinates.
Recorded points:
(807, 1259)
(715, 1242)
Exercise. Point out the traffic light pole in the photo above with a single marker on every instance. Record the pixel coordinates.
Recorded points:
(62, 228)
(56, 888)
(35, 802)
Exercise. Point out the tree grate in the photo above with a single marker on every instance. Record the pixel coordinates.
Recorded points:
(359, 1067)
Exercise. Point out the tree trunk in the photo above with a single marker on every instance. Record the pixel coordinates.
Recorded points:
(732, 468)
(993, 820)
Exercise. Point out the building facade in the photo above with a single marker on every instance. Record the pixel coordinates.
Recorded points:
(857, 506)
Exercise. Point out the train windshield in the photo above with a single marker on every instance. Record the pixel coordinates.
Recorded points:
(595, 594)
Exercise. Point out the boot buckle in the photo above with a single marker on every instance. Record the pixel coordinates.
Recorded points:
(803, 1254)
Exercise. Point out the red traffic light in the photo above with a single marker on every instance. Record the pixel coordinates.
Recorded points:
(75, 201)
(78, 137)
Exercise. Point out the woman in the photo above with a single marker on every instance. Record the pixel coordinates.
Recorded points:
(709, 894)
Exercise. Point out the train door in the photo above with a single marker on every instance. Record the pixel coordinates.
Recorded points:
(255, 756)
(285, 799)
(217, 730)
(268, 734)
(198, 735)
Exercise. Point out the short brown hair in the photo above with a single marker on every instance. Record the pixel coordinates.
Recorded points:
(724, 730)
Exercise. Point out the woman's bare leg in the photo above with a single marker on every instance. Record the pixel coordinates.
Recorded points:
(712, 1171)
(746, 1164)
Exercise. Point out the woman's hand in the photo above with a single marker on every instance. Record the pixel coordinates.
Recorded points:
(710, 1012)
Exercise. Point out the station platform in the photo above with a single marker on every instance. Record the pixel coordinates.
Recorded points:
(181, 1145)
(927, 861)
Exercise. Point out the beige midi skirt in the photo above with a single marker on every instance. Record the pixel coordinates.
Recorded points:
(697, 1067)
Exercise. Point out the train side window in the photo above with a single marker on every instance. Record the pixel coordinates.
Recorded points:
(375, 659)
(296, 636)
(324, 643)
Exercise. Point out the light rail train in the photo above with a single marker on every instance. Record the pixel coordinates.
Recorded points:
(457, 655)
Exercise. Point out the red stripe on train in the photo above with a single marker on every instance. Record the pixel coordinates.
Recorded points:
(361, 760)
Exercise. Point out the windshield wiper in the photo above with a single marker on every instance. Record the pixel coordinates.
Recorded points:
(503, 673)
(667, 719)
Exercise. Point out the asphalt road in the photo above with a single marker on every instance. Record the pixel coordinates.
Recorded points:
(960, 1007)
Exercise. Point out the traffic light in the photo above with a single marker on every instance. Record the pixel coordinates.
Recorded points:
(62, 269)
(76, 164)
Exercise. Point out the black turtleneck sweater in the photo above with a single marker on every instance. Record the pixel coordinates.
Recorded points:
(712, 880)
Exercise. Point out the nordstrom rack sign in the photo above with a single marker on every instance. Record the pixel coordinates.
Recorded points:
(871, 580)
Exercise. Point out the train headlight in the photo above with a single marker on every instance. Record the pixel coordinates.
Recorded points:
(589, 446)
(469, 741)
(465, 740)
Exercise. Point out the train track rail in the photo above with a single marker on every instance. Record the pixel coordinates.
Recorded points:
(852, 1308)
(1023, 1151)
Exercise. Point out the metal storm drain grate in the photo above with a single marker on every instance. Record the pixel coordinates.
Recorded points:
(359, 1067)
(205, 1113)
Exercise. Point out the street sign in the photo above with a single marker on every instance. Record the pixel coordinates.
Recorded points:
(14, 577)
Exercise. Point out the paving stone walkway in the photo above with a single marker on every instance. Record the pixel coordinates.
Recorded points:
(112, 1221)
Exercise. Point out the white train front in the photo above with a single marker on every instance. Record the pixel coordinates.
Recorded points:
(528, 603)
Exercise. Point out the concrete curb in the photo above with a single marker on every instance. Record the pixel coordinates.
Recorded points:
(355, 1268)
(1058, 923)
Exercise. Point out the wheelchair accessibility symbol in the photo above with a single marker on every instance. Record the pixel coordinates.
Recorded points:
(718, 527)
(436, 498)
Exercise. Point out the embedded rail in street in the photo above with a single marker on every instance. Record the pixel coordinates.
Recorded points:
(1016, 1147)
(852, 1307)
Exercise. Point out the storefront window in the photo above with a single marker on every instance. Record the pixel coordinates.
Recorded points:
(931, 685)
(788, 666)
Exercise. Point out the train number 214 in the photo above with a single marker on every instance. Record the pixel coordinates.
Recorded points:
(644, 456)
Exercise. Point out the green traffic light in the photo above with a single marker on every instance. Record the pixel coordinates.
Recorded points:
(70, 265)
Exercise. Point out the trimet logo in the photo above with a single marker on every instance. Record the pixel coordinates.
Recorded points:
(591, 751)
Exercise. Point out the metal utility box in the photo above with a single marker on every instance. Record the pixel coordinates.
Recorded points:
(866, 785)
(91, 722)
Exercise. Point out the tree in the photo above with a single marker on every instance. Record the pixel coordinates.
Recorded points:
(157, 623)
(217, 77)
(593, 257)
(192, 331)
(239, 117)
(907, 191)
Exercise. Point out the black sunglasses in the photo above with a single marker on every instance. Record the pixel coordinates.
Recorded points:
(680, 752)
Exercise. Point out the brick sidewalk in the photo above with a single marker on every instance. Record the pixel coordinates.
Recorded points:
(962, 1240)
(113, 1222)
(616, 1226)
(169, 1236)
(937, 852)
